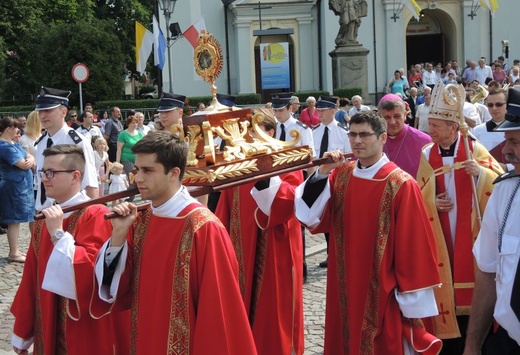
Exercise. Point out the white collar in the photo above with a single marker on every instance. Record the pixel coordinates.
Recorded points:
(74, 200)
(171, 208)
(370, 172)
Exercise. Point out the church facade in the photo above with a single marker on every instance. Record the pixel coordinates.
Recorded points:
(300, 34)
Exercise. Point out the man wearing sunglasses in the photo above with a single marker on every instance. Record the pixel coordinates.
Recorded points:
(494, 142)
(52, 305)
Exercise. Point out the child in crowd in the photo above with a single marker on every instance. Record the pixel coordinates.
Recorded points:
(118, 181)
(102, 163)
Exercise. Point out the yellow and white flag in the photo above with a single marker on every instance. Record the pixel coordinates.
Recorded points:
(143, 46)
(413, 7)
(492, 5)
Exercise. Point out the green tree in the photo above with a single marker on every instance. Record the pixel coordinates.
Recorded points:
(90, 42)
(43, 39)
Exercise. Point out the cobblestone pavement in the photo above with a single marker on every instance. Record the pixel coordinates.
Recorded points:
(313, 292)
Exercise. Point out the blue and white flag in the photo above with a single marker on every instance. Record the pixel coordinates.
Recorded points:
(159, 45)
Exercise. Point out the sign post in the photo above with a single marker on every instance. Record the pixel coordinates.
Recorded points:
(80, 74)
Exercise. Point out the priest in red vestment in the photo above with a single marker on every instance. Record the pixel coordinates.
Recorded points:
(404, 144)
(382, 264)
(267, 239)
(52, 304)
(173, 265)
(446, 174)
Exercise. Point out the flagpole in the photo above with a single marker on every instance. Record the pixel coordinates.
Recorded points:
(167, 7)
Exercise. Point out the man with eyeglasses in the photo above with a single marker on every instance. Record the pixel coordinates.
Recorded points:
(52, 105)
(494, 142)
(52, 306)
(382, 264)
(447, 174)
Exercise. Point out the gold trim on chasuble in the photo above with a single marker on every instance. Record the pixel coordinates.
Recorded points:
(63, 304)
(340, 188)
(371, 316)
(235, 232)
(141, 226)
(179, 328)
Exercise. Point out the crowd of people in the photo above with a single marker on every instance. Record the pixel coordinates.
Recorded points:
(422, 251)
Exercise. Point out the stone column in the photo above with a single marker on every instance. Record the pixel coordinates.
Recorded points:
(244, 65)
(306, 57)
(350, 68)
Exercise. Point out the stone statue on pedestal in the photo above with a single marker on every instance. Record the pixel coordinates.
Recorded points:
(350, 13)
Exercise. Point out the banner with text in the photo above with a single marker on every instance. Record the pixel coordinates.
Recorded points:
(274, 59)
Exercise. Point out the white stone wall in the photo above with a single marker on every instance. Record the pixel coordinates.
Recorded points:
(465, 39)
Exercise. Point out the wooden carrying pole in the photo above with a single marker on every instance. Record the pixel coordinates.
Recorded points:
(96, 201)
(204, 190)
(199, 191)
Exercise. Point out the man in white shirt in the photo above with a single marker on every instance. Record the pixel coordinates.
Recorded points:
(140, 123)
(87, 127)
(329, 135)
(497, 254)
(483, 72)
(429, 76)
(51, 105)
(285, 123)
(421, 114)
(357, 105)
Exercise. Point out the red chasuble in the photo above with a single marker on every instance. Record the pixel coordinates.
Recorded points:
(60, 325)
(269, 253)
(375, 247)
(181, 282)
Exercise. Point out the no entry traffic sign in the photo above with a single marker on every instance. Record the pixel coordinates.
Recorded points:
(80, 73)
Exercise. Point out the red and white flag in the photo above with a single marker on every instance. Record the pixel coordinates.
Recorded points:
(193, 32)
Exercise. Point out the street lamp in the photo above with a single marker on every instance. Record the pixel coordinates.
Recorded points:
(167, 7)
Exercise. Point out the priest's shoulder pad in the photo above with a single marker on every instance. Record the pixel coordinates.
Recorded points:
(300, 123)
(344, 126)
(505, 176)
(313, 128)
(74, 136)
(39, 139)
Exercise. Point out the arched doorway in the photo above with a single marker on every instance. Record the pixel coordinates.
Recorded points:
(431, 39)
(278, 39)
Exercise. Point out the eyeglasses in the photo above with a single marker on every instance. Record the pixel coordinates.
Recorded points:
(496, 104)
(362, 135)
(49, 173)
(73, 116)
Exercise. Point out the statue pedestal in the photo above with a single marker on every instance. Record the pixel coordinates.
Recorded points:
(349, 68)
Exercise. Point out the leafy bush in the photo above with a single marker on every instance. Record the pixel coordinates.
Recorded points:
(348, 92)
